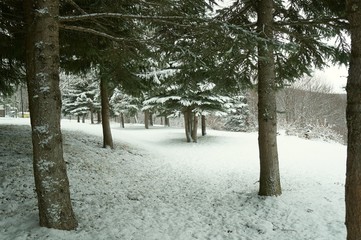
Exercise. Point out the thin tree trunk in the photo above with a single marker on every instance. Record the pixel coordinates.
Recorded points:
(83, 118)
(99, 117)
(353, 116)
(107, 133)
(151, 119)
(78, 118)
(166, 121)
(187, 125)
(195, 128)
(91, 116)
(204, 126)
(146, 119)
(122, 119)
(267, 117)
(42, 73)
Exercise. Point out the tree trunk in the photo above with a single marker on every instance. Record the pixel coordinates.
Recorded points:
(99, 117)
(267, 117)
(353, 116)
(91, 116)
(204, 126)
(122, 119)
(78, 118)
(42, 73)
(107, 133)
(195, 128)
(187, 124)
(151, 119)
(146, 119)
(83, 118)
(166, 122)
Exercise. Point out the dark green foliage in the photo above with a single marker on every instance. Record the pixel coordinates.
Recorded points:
(12, 71)
(301, 31)
(238, 119)
(81, 95)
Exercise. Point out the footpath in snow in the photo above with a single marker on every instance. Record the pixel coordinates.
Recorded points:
(154, 185)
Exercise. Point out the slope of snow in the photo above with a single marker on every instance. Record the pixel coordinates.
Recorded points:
(154, 185)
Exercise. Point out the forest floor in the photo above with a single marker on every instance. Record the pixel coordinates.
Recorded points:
(154, 185)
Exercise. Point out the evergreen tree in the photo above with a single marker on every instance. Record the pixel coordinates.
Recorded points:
(123, 104)
(42, 66)
(238, 119)
(81, 96)
(289, 43)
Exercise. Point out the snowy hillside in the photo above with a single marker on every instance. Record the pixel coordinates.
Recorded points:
(157, 186)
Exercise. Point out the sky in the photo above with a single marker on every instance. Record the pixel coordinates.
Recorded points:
(334, 75)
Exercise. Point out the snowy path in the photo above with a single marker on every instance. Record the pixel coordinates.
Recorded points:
(159, 187)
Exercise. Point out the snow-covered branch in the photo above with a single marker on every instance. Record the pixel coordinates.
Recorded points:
(119, 15)
(98, 33)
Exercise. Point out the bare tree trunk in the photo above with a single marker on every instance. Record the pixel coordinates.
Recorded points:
(195, 128)
(42, 70)
(204, 126)
(187, 124)
(91, 116)
(83, 118)
(122, 119)
(107, 133)
(267, 117)
(151, 119)
(167, 122)
(99, 117)
(353, 116)
(146, 119)
(78, 118)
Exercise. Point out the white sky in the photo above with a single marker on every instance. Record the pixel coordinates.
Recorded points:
(334, 75)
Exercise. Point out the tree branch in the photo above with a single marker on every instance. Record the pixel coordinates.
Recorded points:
(92, 31)
(76, 6)
(119, 15)
(329, 21)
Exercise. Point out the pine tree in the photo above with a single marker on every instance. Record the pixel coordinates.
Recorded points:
(123, 104)
(81, 95)
(42, 66)
(238, 119)
(289, 42)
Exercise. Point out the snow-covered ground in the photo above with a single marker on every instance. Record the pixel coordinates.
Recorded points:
(154, 185)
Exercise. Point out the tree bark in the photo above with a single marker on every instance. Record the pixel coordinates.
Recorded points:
(107, 133)
(42, 74)
(187, 124)
(91, 116)
(99, 117)
(267, 117)
(195, 128)
(166, 122)
(122, 119)
(353, 116)
(146, 119)
(151, 119)
(204, 126)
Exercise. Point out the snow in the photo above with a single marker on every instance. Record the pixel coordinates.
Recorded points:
(154, 185)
